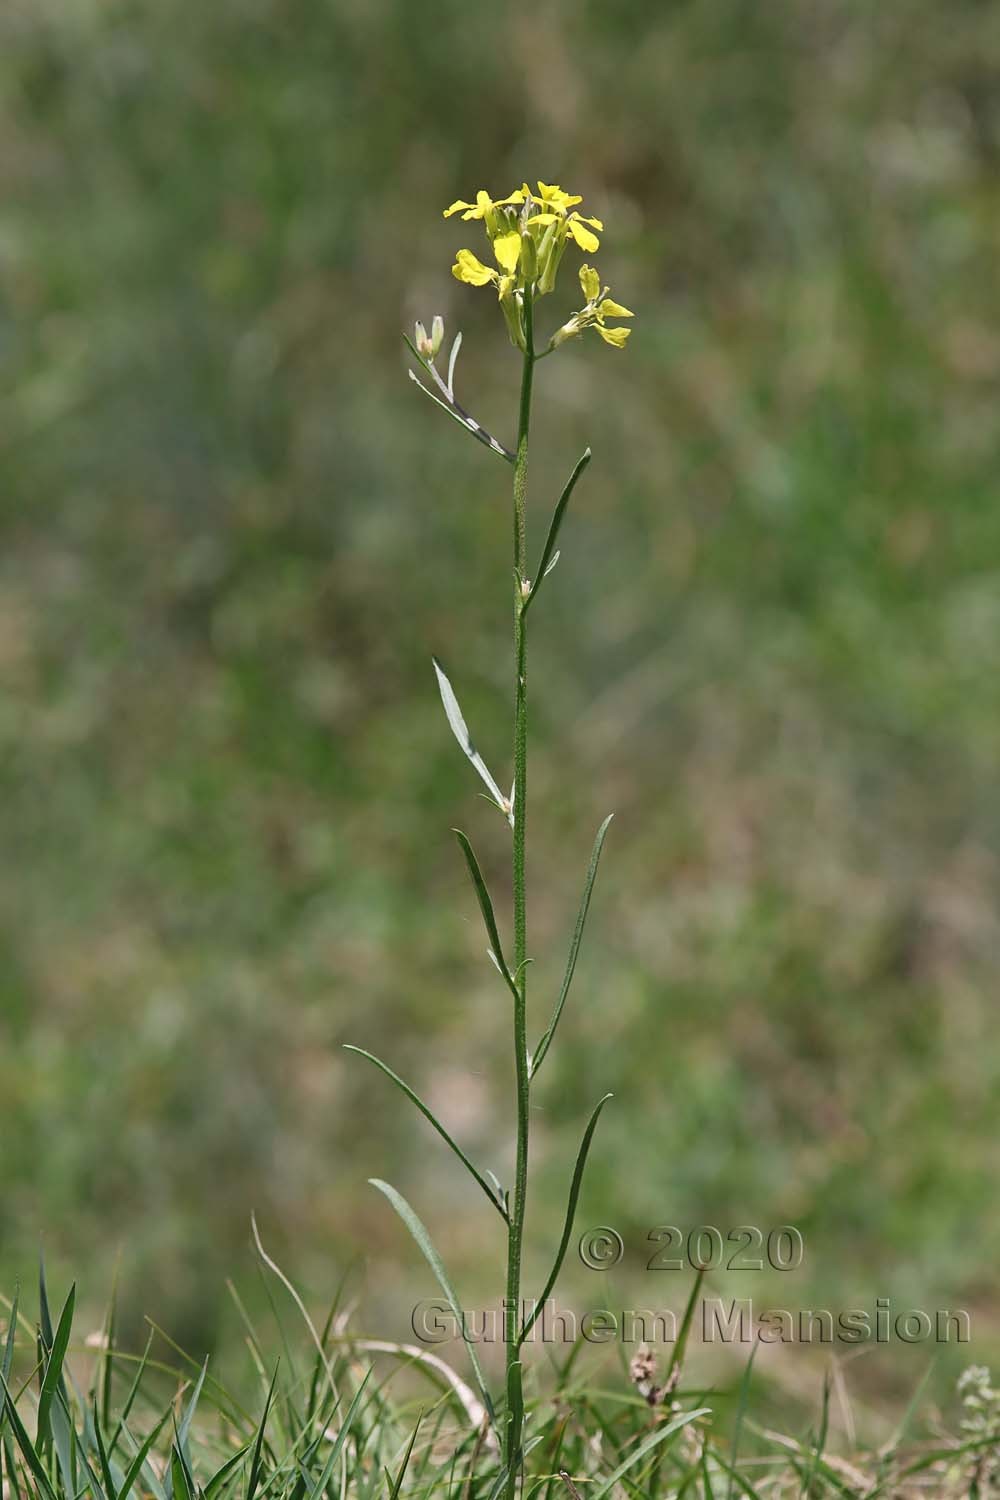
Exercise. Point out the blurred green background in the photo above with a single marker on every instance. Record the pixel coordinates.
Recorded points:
(234, 534)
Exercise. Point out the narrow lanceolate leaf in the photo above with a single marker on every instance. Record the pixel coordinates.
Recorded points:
(638, 1454)
(430, 1116)
(452, 359)
(574, 1193)
(433, 1259)
(486, 907)
(574, 947)
(460, 730)
(545, 561)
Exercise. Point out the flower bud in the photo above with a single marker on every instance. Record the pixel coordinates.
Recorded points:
(511, 309)
(529, 257)
(437, 334)
(546, 260)
(422, 342)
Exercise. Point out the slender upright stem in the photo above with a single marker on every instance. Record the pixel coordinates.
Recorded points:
(515, 1236)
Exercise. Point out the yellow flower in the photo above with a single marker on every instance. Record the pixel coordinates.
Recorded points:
(467, 268)
(506, 248)
(554, 204)
(484, 205)
(594, 313)
(551, 195)
(590, 283)
(574, 225)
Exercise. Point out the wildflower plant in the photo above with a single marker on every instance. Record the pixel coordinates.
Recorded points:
(528, 233)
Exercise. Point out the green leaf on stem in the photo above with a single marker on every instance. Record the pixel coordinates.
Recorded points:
(429, 1115)
(574, 947)
(460, 730)
(554, 525)
(486, 907)
(574, 1193)
(433, 1259)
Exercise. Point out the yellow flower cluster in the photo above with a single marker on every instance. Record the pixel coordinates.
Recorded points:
(528, 233)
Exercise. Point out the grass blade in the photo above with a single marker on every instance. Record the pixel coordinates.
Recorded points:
(653, 1441)
(680, 1346)
(574, 947)
(27, 1447)
(319, 1485)
(126, 1411)
(741, 1409)
(135, 1467)
(105, 1369)
(8, 1354)
(218, 1479)
(574, 1193)
(52, 1378)
(433, 1259)
(396, 1484)
(258, 1447)
(429, 1115)
(102, 1456)
(817, 1453)
(184, 1431)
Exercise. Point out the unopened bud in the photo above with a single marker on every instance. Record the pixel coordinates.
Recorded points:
(529, 256)
(437, 333)
(423, 344)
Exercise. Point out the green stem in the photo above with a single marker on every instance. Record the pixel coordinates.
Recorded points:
(516, 1230)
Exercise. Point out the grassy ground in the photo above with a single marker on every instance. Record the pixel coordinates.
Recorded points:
(328, 1414)
(233, 538)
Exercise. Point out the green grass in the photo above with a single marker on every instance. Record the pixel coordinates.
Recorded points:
(320, 1413)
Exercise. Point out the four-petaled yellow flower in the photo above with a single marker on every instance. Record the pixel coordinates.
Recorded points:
(554, 204)
(483, 205)
(598, 307)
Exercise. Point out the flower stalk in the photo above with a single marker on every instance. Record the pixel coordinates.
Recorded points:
(515, 1236)
(528, 233)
